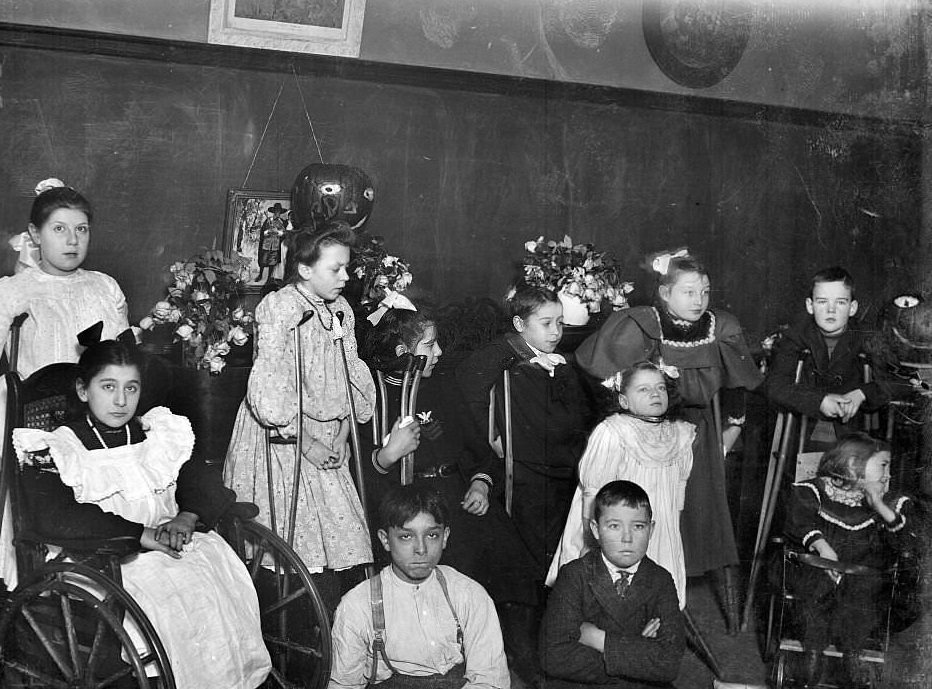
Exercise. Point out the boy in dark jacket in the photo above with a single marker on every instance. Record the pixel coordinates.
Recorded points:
(613, 618)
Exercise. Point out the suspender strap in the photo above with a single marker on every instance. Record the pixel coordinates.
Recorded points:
(446, 594)
(378, 624)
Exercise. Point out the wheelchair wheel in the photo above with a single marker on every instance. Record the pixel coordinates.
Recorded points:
(64, 627)
(295, 624)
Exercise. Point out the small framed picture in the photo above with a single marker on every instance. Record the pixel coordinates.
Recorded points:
(324, 27)
(255, 227)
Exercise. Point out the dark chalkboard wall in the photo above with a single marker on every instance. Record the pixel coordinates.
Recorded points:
(466, 169)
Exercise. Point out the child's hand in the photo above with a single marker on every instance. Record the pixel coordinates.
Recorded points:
(827, 552)
(343, 454)
(835, 406)
(402, 440)
(320, 455)
(148, 541)
(592, 636)
(855, 399)
(651, 628)
(476, 500)
(178, 531)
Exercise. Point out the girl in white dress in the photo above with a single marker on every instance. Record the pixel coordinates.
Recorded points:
(59, 297)
(110, 474)
(640, 445)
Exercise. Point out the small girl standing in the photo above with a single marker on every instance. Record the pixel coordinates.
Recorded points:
(640, 445)
(331, 528)
(109, 474)
(844, 514)
(60, 297)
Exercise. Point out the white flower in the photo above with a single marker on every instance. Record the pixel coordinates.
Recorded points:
(389, 261)
(175, 315)
(215, 364)
(146, 323)
(424, 417)
(402, 282)
(627, 287)
(184, 331)
(200, 297)
(238, 336)
(511, 294)
(238, 314)
(161, 311)
(381, 281)
(531, 247)
(219, 349)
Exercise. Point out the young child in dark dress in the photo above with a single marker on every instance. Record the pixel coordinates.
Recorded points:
(845, 514)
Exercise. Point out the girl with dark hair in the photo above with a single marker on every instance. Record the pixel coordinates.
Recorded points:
(60, 297)
(708, 350)
(844, 514)
(486, 546)
(330, 531)
(109, 474)
(636, 444)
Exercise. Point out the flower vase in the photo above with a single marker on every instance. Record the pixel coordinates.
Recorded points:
(575, 312)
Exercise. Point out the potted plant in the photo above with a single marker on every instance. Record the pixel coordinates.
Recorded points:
(203, 312)
(582, 277)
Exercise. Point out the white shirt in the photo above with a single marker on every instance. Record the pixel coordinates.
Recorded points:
(420, 632)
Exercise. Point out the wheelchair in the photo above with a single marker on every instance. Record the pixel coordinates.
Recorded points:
(782, 645)
(66, 623)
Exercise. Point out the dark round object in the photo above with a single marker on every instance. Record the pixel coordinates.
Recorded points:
(324, 192)
(697, 44)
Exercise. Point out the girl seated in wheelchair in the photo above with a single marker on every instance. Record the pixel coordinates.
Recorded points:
(109, 474)
(845, 515)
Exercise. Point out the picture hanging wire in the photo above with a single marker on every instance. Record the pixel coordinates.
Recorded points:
(268, 121)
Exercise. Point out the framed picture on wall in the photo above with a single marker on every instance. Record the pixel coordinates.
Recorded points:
(324, 27)
(255, 227)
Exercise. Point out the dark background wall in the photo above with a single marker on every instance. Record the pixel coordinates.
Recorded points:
(466, 168)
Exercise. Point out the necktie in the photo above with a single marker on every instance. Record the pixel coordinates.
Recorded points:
(622, 583)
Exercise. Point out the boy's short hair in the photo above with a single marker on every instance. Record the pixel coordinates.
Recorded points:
(526, 300)
(403, 503)
(626, 493)
(833, 274)
(844, 463)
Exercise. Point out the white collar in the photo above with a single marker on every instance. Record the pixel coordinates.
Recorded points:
(615, 571)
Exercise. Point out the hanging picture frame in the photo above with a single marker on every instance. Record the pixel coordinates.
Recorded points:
(324, 27)
(254, 229)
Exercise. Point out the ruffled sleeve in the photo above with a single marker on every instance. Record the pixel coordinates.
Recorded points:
(170, 438)
(740, 371)
(90, 483)
(117, 301)
(360, 376)
(623, 340)
(603, 459)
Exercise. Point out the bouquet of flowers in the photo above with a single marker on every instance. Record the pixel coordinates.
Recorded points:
(379, 273)
(203, 309)
(578, 270)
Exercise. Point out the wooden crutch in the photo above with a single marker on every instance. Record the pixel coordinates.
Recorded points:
(409, 408)
(299, 445)
(775, 468)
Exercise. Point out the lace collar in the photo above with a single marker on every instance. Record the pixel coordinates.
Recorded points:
(676, 332)
(852, 497)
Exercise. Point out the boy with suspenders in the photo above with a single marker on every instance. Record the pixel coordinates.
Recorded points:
(417, 624)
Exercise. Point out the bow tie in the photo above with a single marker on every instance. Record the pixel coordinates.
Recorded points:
(548, 362)
(623, 583)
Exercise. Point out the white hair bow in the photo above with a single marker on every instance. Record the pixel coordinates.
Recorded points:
(29, 255)
(661, 263)
(50, 183)
(392, 300)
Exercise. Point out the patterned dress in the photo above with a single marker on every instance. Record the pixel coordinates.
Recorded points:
(330, 523)
(656, 456)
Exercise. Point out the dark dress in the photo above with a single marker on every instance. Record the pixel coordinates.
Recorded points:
(848, 612)
(550, 422)
(711, 355)
(486, 548)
